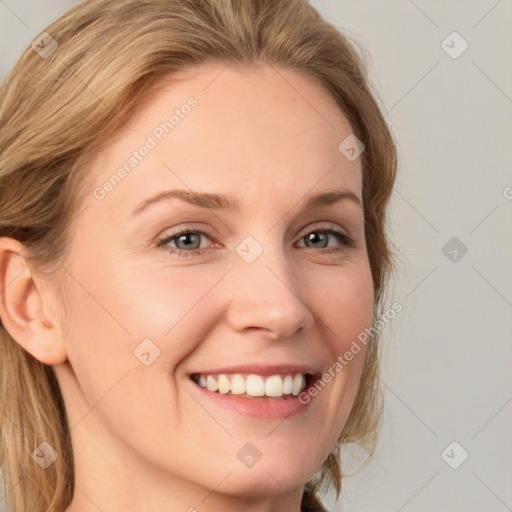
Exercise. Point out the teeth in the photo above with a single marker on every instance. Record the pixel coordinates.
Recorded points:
(224, 386)
(297, 384)
(237, 384)
(274, 386)
(288, 385)
(211, 383)
(253, 385)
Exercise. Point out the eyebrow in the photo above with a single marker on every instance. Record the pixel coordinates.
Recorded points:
(221, 202)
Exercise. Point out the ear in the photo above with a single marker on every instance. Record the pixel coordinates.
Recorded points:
(26, 307)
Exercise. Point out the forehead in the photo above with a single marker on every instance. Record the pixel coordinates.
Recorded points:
(215, 126)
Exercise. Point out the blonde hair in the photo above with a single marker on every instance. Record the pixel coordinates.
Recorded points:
(56, 109)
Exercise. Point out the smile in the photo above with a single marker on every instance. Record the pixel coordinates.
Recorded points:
(253, 385)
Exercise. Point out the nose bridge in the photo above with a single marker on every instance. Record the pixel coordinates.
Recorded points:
(266, 292)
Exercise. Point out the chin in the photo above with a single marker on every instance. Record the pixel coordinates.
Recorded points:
(277, 471)
(265, 482)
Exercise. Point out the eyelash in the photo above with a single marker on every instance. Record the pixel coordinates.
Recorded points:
(346, 240)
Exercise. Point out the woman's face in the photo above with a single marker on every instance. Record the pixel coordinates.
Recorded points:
(261, 289)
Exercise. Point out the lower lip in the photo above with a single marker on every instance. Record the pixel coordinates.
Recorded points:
(266, 408)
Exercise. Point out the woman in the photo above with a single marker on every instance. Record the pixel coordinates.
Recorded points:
(191, 236)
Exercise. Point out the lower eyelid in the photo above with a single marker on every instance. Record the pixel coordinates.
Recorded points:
(343, 238)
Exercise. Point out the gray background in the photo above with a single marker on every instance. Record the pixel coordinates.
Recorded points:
(447, 356)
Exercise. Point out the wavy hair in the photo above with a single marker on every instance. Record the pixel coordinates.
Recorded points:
(56, 109)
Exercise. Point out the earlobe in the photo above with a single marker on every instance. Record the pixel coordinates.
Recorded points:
(23, 303)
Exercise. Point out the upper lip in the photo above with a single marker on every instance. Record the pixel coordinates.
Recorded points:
(259, 369)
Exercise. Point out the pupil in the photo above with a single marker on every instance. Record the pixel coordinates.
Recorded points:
(188, 235)
(312, 236)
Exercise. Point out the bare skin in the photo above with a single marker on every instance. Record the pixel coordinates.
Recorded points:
(144, 437)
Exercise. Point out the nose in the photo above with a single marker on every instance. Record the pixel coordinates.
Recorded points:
(269, 296)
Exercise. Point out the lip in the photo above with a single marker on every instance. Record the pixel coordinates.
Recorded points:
(264, 370)
(265, 408)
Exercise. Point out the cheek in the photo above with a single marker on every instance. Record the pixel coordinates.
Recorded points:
(133, 301)
(115, 328)
(126, 316)
(345, 302)
(345, 307)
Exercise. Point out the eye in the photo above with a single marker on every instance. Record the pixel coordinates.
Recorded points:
(187, 242)
(188, 239)
(321, 236)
